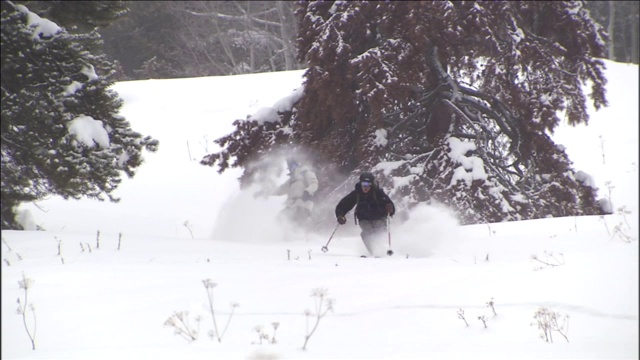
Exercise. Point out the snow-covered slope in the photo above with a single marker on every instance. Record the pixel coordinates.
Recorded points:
(107, 303)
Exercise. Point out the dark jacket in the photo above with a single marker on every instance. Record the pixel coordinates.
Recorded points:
(370, 206)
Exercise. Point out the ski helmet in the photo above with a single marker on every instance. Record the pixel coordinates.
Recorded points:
(292, 163)
(367, 176)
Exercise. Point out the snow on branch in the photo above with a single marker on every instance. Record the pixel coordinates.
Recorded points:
(42, 28)
(89, 131)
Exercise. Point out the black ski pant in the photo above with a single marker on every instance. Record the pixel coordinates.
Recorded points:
(373, 235)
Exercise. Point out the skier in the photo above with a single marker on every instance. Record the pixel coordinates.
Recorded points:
(372, 208)
(300, 189)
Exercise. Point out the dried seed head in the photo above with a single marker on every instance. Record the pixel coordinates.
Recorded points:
(209, 284)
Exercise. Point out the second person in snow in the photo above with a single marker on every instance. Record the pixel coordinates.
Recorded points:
(300, 189)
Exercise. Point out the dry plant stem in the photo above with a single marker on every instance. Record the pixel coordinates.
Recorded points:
(188, 226)
(25, 284)
(547, 322)
(24, 321)
(609, 187)
(5, 242)
(261, 335)
(623, 211)
(605, 225)
(226, 326)
(319, 315)
(209, 285)
(213, 316)
(461, 316)
(563, 333)
(275, 328)
(546, 263)
(617, 230)
(182, 327)
(184, 330)
(484, 320)
(490, 304)
(557, 262)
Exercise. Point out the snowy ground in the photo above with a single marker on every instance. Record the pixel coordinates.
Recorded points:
(105, 303)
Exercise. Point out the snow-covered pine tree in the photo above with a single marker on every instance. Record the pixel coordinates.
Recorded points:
(61, 132)
(79, 16)
(461, 96)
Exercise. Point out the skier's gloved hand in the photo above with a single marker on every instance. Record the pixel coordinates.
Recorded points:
(342, 220)
(389, 208)
(306, 196)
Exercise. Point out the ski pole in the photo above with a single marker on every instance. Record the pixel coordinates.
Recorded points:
(389, 252)
(325, 248)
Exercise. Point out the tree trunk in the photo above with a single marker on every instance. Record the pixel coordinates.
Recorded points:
(634, 40)
(611, 28)
(285, 34)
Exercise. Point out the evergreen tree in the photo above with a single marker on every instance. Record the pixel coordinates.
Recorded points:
(61, 132)
(458, 99)
(622, 19)
(78, 16)
(155, 51)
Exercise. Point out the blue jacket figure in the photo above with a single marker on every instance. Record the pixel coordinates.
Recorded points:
(300, 190)
(372, 208)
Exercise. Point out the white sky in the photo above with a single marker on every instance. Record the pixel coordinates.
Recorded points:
(182, 223)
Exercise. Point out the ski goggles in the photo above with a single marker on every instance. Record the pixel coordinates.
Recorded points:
(365, 184)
